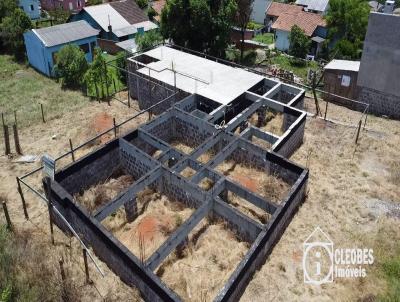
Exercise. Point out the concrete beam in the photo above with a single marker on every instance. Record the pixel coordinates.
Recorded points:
(258, 201)
(127, 195)
(247, 227)
(178, 236)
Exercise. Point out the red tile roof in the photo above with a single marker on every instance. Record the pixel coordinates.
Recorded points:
(276, 9)
(158, 6)
(289, 15)
(130, 11)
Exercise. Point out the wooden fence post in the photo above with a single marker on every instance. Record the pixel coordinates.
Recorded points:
(6, 140)
(129, 99)
(86, 266)
(9, 225)
(115, 127)
(41, 108)
(50, 208)
(22, 199)
(61, 262)
(358, 131)
(72, 150)
(326, 109)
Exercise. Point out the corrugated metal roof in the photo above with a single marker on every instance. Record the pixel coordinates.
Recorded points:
(128, 45)
(65, 33)
(125, 31)
(147, 25)
(130, 11)
(316, 5)
(105, 14)
(343, 65)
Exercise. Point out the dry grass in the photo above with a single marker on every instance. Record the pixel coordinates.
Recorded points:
(268, 186)
(158, 218)
(206, 157)
(261, 142)
(181, 146)
(188, 172)
(206, 184)
(211, 256)
(248, 208)
(101, 193)
(273, 120)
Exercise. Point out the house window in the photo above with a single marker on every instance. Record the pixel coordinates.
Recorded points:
(32, 8)
(84, 47)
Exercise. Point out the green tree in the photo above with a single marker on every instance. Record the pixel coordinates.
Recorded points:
(120, 61)
(148, 40)
(71, 65)
(243, 13)
(7, 6)
(199, 24)
(59, 15)
(95, 2)
(347, 22)
(142, 3)
(98, 74)
(12, 29)
(299, 43)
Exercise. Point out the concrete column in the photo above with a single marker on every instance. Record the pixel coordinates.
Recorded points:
(181, 247)
(131, 210)
(242, 126)
(224, 195)
(261, 114)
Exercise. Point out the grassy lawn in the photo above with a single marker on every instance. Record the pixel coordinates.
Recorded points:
(285, 63)
(267, 38)
(23, 89)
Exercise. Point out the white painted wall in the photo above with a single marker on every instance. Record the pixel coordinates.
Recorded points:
(258, 12)
(282, 40)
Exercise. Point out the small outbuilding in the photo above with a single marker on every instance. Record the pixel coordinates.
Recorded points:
(43, 44)
(340, 78)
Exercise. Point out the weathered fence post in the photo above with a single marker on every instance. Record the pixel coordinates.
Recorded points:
(72, 150)
(61, 262)
(16, 136)
(22, 199)
(86, 266)
(41, 108)
(50, 208)
(358, 130)
(115, 127)
(9, 225)
(326, 110)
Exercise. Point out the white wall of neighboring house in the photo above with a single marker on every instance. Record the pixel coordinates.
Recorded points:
(282, 40)
(259, 9)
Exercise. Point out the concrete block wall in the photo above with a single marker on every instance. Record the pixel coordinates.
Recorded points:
(118, 258)
(93, 169)
(134, 161)
(380, 103)
(292, 140)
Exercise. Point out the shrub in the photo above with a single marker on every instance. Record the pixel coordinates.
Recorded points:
(71, 66)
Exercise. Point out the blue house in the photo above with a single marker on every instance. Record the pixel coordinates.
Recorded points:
(31, 8)
(117, 21)
(43, 44)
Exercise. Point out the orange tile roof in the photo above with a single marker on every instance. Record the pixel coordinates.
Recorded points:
(276, 9)
(306, 21)
(158, 6)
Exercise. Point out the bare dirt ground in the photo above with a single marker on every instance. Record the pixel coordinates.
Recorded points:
(353, 196)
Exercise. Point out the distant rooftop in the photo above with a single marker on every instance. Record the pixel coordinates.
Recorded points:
(65, 33)
(276, 9)
(315, 5)
(343, 65)
(306, 21)
(124, 17)
(215, 81)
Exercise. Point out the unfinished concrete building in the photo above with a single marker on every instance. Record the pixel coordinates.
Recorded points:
(210, 172)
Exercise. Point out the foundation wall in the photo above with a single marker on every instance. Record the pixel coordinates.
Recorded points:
(380, 103)
(109, 250)
(293, 140)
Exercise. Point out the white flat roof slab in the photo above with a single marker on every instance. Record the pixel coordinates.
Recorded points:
(216, 81)
(343, 65)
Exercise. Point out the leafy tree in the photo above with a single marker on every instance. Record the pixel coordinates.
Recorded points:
(199, 24)
(71, 65)
(244, 8)
(299, 42)
(95, 2)
(59, 15)
(120, 61)
(12, 29)
(148, 40)
(142, 3)
(98, 74)
(347, 24)
(151, 13)
(7, 6)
